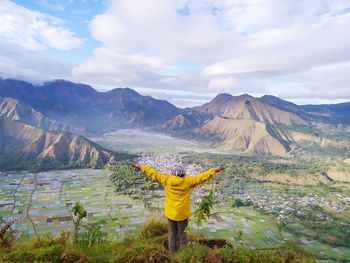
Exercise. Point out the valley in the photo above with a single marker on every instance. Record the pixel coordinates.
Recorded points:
(286, 182)
(140, 141)
(251, 212)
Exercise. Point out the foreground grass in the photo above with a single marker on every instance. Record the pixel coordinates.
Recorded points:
(149, 246)
(143, 250)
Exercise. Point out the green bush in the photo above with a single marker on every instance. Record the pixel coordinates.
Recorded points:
(92, 234)
(192, 253)
(154, 227)
(44, 254)
(244, 255)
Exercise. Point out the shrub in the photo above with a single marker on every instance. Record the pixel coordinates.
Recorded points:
(78, 214)
(71, 255)
(92, 234)
(49, 240)
(43, 254)
(262, 256)
(192, 253)
(154, 227)
(8, 235)
(214, 257)
(142, 250)
(150, 256)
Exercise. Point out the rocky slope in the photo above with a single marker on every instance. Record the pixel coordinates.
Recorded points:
(246, 135)
(62, 147)
(241, 123)
(18, 110)
(248, 107)
(184, 120)
(80, 105)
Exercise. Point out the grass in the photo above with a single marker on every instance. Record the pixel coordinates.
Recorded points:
(148, 246)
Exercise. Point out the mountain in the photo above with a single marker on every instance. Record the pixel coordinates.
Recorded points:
(248, 107)
(240, 123)
(60, 147)
(184, 120)
(80, 105)
(284, 105)
(335, 114)
(245, 135)
(266, 125)
(340, 110)
(18, 110)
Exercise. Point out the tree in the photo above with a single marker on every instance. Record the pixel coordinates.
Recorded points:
(204, 208)
(78, 214)
(203, 211)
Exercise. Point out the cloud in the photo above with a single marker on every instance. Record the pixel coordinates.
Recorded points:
(33, 30)
(25, 36)
(16, 62)
(250, 46)
(294, 49)
(330, 82)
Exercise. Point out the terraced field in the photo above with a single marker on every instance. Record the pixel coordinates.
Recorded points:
(42, 202)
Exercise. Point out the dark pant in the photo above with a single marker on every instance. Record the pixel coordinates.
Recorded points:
(177, 234)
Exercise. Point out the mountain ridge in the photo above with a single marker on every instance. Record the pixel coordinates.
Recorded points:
(80, 104)
(61, 147)
(252, 125)
(18, 110)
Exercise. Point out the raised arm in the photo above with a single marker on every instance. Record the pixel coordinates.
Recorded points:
(202, 177)
(152, 173)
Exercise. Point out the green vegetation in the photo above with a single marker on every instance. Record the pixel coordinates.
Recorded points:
(247, 211)
(150, 247)
(203, 210)
(79, 213)
(16, 161)
(129, 181)
(243, 167)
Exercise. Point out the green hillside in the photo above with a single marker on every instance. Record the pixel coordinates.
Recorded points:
(148, 245)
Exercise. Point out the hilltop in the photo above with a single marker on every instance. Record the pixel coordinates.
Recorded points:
(149, 246)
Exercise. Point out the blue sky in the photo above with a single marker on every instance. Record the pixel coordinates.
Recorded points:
(185, 51)
(76, 15)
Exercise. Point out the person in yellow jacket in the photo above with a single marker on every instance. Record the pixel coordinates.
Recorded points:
(177, 188)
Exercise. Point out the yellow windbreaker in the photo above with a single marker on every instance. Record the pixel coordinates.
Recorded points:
(177, 191)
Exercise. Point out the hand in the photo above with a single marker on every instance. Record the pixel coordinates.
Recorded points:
(219, 168)
(136, 165)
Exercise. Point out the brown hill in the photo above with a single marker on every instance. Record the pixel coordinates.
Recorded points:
(245, 135)
(17, 136)
(248, 107)
(184, 120)
(247, 124)
(18, 110)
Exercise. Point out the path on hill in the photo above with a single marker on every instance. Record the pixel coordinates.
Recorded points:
(30, 204)
(14, 194)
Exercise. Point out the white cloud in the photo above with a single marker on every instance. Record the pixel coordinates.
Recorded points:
(25, 36)
(330, 82)
(16, 62)
(242, 46)
(295, 49)
(33, 30)
(222, 84)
